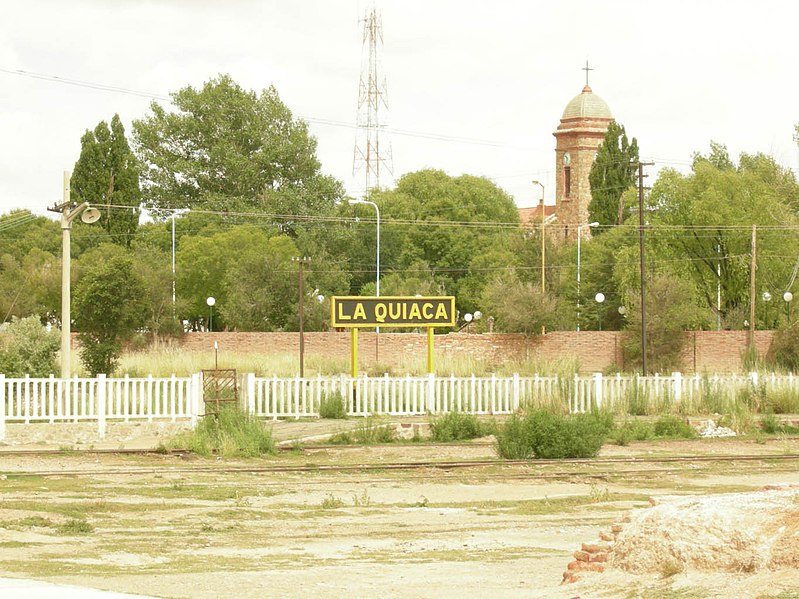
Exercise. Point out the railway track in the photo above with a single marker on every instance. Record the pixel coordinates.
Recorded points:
(533, 467)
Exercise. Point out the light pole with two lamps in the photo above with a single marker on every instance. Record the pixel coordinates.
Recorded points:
(589, 225)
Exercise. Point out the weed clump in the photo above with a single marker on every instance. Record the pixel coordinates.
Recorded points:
(367, 432)
(333, 407)
(546, 435)
(672, 427)
(456, 426)
(232, 433)
(75, 527)
(632, 430)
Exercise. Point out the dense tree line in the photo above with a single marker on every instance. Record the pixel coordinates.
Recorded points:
(237, 176)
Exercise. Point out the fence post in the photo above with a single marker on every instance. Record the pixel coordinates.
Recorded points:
(754, 378)
(431, 393)
(101, 397)
(196, 386)
(515, 404)
(2, 407)
(250, 393)
(598, 389)
(677, 382)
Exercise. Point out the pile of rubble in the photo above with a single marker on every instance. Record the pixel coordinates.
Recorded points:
(731, 532)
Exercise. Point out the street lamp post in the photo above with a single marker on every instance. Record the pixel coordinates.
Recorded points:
(377, 256)
(69, 212)
(766, 299)
(543, 238)
(589, 225)
(600, 298)
(377, 264)
(210, 301)
(787, 297)
(543, 247)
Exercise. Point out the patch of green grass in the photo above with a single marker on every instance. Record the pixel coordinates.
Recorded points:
(367, 432)
(75, 527)
(29, 522)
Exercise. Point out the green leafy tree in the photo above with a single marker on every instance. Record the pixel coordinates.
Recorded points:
(672, 306)
(109, 306)
(30, 285)
(27, 347)
(227, 148)
(445, 222)
(702, 222)
(107, 173)
(518, 306)
(612, 173)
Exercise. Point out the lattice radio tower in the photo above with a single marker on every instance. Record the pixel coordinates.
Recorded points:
(369, 156)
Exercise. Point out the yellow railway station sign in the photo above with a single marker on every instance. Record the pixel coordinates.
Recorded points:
(368, 312)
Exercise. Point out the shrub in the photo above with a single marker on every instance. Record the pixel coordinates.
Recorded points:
(672, 427)
(770, 424)
(512, 440)
(231, 433)
(632, 430)
(784, 349)
(781, 401)
(26, 347)
(456, 426)
(75, 527)
(333, 407)
(553, 436)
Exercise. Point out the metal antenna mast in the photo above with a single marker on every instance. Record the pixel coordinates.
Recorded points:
(369, 156)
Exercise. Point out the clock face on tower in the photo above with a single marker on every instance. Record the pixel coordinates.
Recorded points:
(567, 159)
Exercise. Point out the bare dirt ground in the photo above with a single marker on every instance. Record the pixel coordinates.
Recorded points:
(496, 531)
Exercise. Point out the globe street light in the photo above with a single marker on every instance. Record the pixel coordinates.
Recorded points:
(787, 297)
(593, 224)
(600, 298)
(766, 299)
(210, 301)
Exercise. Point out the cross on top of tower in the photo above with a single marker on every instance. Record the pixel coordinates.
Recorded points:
(586, 68)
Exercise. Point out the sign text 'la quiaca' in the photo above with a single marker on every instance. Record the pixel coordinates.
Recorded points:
(392, 311)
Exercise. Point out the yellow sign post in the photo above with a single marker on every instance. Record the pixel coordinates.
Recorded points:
(398, 311)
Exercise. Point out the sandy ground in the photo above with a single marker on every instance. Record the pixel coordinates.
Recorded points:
(488, 532)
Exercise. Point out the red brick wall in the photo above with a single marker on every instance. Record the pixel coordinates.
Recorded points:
(705, 351)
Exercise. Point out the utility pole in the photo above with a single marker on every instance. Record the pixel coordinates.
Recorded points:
(372, 95)
(752, 287)
(302, 262)
(641, 176)
(68, 213)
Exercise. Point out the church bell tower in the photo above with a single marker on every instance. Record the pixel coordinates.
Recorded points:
(582, 129)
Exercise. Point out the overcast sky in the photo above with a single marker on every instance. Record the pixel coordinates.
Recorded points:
(677, 74)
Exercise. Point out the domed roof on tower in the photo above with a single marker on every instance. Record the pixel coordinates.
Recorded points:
(587, 105)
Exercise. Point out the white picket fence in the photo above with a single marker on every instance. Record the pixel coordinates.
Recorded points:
(417, 395)
(101, 399)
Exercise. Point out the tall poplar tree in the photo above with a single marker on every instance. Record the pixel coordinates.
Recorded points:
(612, 173)
(107, 176)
